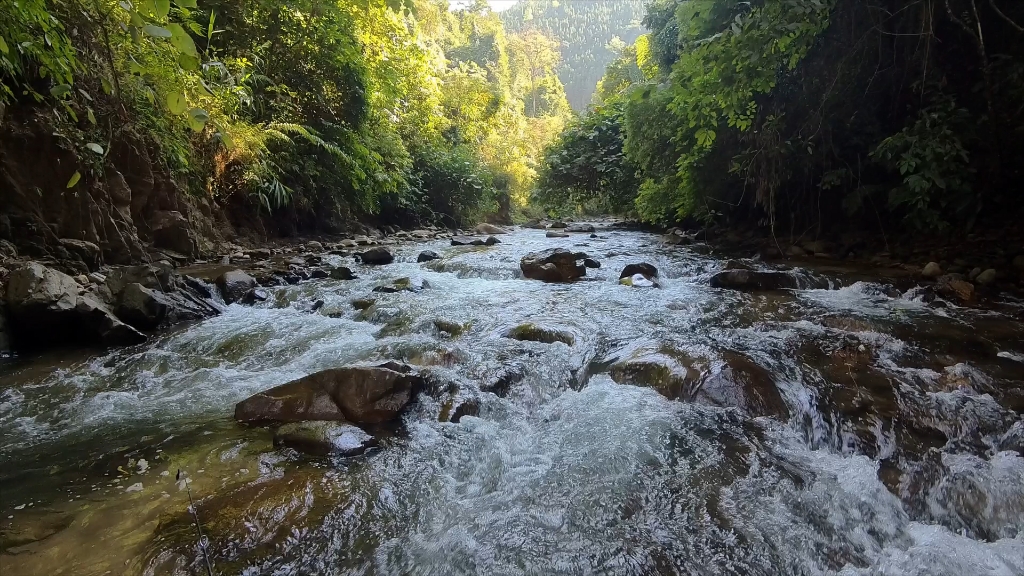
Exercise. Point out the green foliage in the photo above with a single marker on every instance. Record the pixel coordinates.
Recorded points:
(586, 166)
(310, 110)
(814, 112)
(933, 164)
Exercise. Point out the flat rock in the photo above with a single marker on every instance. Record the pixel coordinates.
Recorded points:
(356, 394)
(740, 279)
(534, 333)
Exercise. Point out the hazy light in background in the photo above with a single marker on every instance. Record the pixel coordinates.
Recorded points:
(496, 5)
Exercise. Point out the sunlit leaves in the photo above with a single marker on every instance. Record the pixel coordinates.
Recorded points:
(74, 179)
(176, 103)
(197, 119)
(156, 31)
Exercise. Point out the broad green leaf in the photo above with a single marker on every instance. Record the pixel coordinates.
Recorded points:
(181, 40)
(156, 31)
(74, 179)
(162, 8)
(188, 62)
(135, 19)
(3, 46)
(197, 119)
(95, 148)
(176, 103)
(85, 94)
(60, 90)
(107, 87)
(226, 140)
(91, 116)
(186, 3)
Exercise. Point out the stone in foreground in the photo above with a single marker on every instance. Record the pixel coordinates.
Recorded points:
(553, 265)
(356, 394)
(535, 333)
(324, 438)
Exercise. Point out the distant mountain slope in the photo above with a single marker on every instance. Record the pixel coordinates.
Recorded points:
(584, 28)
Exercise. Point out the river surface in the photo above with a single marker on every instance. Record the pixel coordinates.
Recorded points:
(899, 451)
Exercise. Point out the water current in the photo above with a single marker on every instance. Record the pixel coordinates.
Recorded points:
(898, 450)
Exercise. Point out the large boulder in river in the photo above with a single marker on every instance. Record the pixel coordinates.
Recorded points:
(486, 229)
(953, 287)
(324, 438)
(553, 265)
(741, 279)
(376, 256)
(47, 308)
(356, 394)
(234, 285)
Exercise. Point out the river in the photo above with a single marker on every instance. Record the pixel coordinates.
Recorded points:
(897, 451)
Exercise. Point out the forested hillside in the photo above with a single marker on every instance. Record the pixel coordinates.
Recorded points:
(298, 115)
(585, 31)
(807, 116)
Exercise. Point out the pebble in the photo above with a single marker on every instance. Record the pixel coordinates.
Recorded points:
(137, 487)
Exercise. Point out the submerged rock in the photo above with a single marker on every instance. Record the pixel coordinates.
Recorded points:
(554, 234)
(357, 394)
(639, 281)
(474, 241)
(591, 263)
(376, 256)
(740, 279)
(535, 333)
(234, 284)
(324, 438)
(671, 377)
(743, 384)
(553, 265)
(403, 285)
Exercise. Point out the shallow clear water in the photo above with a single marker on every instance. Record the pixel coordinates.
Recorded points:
(900, 453)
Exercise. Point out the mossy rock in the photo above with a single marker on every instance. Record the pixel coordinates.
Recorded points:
(534, 333)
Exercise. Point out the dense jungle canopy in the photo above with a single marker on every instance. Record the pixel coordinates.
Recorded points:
(799, 115)
(806, 115)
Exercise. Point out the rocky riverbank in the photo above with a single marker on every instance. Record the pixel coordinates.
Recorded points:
(48, 305)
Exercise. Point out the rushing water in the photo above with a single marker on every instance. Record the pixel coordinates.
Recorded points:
(900, 454)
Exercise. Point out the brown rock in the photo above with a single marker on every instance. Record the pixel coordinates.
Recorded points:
(357, 394)
(553, 265)
(742, 384)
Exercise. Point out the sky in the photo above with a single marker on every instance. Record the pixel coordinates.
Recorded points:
(496, 5)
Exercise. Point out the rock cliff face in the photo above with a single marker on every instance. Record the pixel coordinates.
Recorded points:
(119, 214)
